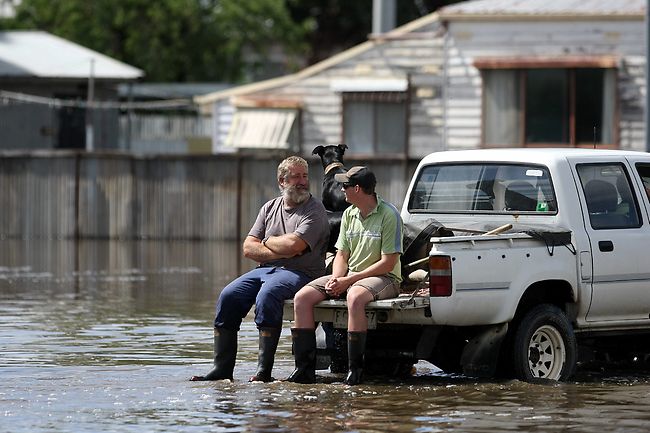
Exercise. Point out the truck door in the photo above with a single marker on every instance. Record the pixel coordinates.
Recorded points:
(618, 233)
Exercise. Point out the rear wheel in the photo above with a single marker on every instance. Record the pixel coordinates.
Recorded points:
(544, 345)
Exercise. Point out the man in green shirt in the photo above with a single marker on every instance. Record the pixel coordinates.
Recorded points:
(366, 268)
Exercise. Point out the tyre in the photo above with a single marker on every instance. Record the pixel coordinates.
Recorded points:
(544, 346)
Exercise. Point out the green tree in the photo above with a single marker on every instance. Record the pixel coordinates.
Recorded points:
(172, 40)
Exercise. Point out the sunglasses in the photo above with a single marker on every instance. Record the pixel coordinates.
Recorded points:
(347, 185)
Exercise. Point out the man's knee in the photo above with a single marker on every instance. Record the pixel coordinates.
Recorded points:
(232, 306)
(226, 297)
(229, 302)
(357, 298)
(303, 299)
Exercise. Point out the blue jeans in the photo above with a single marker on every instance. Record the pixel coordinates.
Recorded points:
(267, 288)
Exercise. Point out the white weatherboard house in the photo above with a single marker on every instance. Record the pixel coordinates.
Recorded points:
(484, 73)
(383, 95)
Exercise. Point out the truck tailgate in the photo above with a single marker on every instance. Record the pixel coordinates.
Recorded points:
(400, 310)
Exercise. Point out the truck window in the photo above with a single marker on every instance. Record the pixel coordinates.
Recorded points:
(483, 188)
(609, 196)
(644, 174)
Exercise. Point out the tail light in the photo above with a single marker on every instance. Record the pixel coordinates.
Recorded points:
(439, 276)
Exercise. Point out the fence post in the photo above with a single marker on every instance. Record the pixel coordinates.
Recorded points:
(77, 192)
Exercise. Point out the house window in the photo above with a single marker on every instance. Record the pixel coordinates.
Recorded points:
(375, 122)
(573, 106)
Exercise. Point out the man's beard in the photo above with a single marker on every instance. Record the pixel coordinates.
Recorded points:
(295, 195)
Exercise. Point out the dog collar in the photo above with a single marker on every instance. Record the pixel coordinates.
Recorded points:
(332, 166)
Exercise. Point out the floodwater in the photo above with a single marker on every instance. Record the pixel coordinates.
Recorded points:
(103, 336)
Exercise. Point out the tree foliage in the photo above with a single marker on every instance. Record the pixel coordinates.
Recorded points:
(335, 25)
(210, 40)
(171, 40)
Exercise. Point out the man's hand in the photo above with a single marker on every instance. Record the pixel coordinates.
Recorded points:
(337, 285)
(274, 248)
(289, 245)
(340, 282)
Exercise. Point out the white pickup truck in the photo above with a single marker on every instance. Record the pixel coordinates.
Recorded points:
(569, 280)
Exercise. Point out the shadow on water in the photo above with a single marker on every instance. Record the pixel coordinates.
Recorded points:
(102, 336)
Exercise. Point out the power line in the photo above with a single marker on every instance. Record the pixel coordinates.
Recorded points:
(170, 104)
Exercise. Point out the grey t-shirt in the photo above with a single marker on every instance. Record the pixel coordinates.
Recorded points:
(307, 221)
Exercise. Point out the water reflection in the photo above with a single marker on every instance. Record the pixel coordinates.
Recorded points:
(102, 336)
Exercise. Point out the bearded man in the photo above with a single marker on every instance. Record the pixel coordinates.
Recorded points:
(288, 240)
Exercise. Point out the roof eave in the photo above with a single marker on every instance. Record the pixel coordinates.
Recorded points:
(510, 17)
(32, 77)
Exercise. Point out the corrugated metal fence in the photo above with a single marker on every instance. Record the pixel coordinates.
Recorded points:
(70, 195)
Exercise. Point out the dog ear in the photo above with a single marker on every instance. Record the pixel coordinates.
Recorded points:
(343, 147)
(318, 150)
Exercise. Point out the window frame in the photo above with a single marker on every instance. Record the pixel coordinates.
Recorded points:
(483, 181)
(643, 171)
(591, 214)
(376, 97)
(570, 66)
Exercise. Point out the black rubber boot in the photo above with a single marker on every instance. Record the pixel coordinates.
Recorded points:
(304, 352)
(356, 351)
(269, 338)
(225, 352)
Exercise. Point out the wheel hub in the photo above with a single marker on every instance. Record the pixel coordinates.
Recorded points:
(534, 355)
(546, 353)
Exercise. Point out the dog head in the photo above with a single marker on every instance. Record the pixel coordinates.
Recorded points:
(331, 155)
(333, 198)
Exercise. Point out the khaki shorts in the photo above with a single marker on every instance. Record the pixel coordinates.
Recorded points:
(381, 287)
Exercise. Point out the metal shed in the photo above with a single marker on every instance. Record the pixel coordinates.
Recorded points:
(46, 82)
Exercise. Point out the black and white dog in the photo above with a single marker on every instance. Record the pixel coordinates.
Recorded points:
(331, 157)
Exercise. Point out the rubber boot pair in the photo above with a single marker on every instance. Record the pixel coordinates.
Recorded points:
(304, 352)
(356, 351)
(225, 353)
(268, 344)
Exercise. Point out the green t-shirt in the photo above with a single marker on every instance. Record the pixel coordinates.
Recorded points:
(367, 239)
